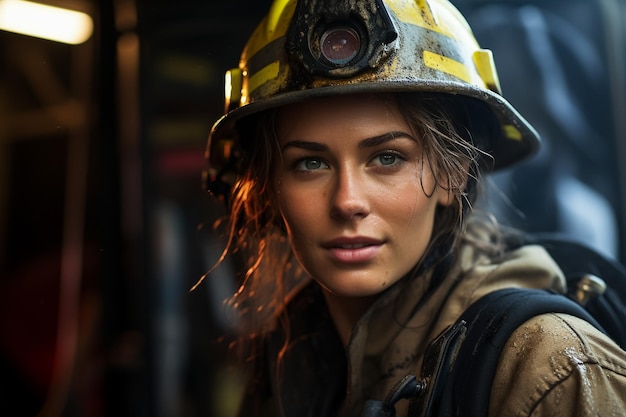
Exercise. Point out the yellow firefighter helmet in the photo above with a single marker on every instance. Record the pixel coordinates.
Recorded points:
(311, 48)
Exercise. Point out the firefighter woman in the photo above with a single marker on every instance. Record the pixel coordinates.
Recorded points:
(352, 150)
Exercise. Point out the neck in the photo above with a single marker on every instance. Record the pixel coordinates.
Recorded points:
(345, 312)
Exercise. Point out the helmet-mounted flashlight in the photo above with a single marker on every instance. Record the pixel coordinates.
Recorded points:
(334, 39)
(340, 45)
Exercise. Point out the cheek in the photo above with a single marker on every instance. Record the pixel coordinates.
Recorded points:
(410, 210)
(411, 217)
(298, 217)
(295, 208)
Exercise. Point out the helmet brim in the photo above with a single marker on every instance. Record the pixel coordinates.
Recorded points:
(504, 148)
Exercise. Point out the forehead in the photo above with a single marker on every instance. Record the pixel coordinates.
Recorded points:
(339, 115)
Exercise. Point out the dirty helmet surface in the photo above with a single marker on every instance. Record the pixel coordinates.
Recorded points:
(315, 48)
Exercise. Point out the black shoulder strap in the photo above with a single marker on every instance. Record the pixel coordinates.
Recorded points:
(490, 322)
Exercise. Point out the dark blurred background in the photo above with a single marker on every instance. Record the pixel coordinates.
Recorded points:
(102, 211)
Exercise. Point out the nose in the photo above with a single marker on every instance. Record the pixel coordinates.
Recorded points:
(350, 199)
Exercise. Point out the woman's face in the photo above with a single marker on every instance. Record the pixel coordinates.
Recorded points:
(355, 194)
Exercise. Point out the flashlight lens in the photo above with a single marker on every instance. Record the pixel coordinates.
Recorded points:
(340, 45)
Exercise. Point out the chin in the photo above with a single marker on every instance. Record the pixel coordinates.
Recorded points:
(355, 288)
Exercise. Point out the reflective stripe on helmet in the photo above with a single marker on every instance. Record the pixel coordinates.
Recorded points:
(422, 15)
(274, 26)
(483, 60)
(269, 72)
(448, 65)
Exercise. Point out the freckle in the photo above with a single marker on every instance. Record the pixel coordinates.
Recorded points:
(384, 284)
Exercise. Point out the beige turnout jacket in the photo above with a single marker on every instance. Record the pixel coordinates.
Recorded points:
(554, 365)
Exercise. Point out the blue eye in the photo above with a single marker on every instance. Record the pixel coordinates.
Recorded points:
(310, 164)
(387, 159)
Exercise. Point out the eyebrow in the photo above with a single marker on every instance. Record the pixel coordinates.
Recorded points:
(365, 143)
(385, 137)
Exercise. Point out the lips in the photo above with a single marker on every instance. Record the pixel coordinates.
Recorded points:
(352, 245)
(353, 250)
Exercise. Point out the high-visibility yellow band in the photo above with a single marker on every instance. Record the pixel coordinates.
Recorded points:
(512, 132)
(483, 59)
(447, 65)
(274, 26)
(265, 74)
(422, 15)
